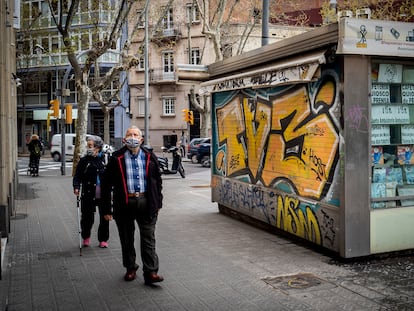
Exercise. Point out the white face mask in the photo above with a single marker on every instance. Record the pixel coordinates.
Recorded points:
(90, 151)
(132, 143)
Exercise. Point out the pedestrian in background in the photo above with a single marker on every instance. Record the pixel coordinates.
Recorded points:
(183, 144)
(133, 174)
(35, 148)
(88, 176)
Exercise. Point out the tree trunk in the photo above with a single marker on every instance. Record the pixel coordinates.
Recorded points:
(205, 118)
(81, 127)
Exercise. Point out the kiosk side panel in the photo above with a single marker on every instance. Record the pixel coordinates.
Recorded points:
(276, 156)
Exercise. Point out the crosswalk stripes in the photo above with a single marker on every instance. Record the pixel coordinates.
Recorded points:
(46, 168)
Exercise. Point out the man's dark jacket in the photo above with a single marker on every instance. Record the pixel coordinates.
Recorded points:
(115, 179)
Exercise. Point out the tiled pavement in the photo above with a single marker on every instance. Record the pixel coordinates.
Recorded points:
(209, 261)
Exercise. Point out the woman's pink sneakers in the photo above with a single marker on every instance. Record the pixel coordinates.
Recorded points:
(86, 242)
(103, 244)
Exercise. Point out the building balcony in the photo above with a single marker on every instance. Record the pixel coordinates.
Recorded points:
(159, 76)
(168, 35)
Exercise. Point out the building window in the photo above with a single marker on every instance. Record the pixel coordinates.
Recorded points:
(168, 65)
(227, 51)
(84, 41)
(55, 44)
(140, 19)
(168, 106)
(195, 56)
(167, 20)
(141, 63)
(141, 106)
(193, 14)
(392, 134)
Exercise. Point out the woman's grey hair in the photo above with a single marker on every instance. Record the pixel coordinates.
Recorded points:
(97, 141)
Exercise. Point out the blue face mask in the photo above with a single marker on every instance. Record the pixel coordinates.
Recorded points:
(132, 143)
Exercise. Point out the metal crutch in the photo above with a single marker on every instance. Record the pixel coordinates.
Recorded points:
(79, 226)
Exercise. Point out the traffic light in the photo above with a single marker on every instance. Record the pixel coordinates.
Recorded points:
(68, 114)
(190, 117)
(185, 115)
(54, 106)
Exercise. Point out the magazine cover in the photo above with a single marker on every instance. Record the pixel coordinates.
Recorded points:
(409, 174)
(379, 174)
(377, 155)
(378, 190)
(405, 191)
(405, 154)
(394, 174)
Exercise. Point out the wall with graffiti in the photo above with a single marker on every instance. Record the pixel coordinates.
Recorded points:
(276, 156)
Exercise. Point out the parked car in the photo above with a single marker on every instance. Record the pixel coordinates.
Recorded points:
(193, 147)
(203, 154)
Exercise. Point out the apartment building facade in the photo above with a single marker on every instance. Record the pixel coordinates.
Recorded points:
(42, 65)
(9, 84)
(176, 40)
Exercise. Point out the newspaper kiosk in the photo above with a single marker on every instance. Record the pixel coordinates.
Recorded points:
(314, 135)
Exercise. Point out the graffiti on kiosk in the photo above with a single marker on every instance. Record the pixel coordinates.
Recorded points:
(287, 139)
(295, 74)
(285, 212)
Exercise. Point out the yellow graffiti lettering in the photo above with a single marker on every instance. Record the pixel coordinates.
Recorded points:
(302, 151)
(229, 126)
(288, 139)
(326, 93)
(308, 226)
(290, 218)
(220, 162)
(257, 122)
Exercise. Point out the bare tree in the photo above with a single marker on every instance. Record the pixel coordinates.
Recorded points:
(228, 24)
(64, 16)
(222, 21)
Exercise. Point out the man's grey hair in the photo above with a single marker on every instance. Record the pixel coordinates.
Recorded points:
(97, 141)
(134, 127)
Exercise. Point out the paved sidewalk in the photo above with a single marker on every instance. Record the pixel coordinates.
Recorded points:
(209, 261)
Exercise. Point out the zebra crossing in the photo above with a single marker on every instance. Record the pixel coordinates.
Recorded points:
(47, 167)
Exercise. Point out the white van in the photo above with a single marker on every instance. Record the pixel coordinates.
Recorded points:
(56, 147)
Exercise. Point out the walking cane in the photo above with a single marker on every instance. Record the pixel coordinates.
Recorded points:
(79, 227)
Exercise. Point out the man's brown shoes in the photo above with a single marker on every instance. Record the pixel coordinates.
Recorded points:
(152, 277)
(131, 274)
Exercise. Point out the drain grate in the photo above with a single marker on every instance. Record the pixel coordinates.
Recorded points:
(295, 282)
(51, 255)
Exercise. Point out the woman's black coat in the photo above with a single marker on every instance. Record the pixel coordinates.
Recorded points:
(88, 169)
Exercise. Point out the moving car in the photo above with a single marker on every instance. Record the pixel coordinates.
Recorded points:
(203, 154)
(193, 147)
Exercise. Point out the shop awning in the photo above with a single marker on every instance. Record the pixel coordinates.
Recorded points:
(300, 69)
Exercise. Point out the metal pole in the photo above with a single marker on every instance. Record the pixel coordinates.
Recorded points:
(63, 142)
(265, 23)
(146, 78)
(59, 93)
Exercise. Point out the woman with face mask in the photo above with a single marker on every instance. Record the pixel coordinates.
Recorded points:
(87, 183)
